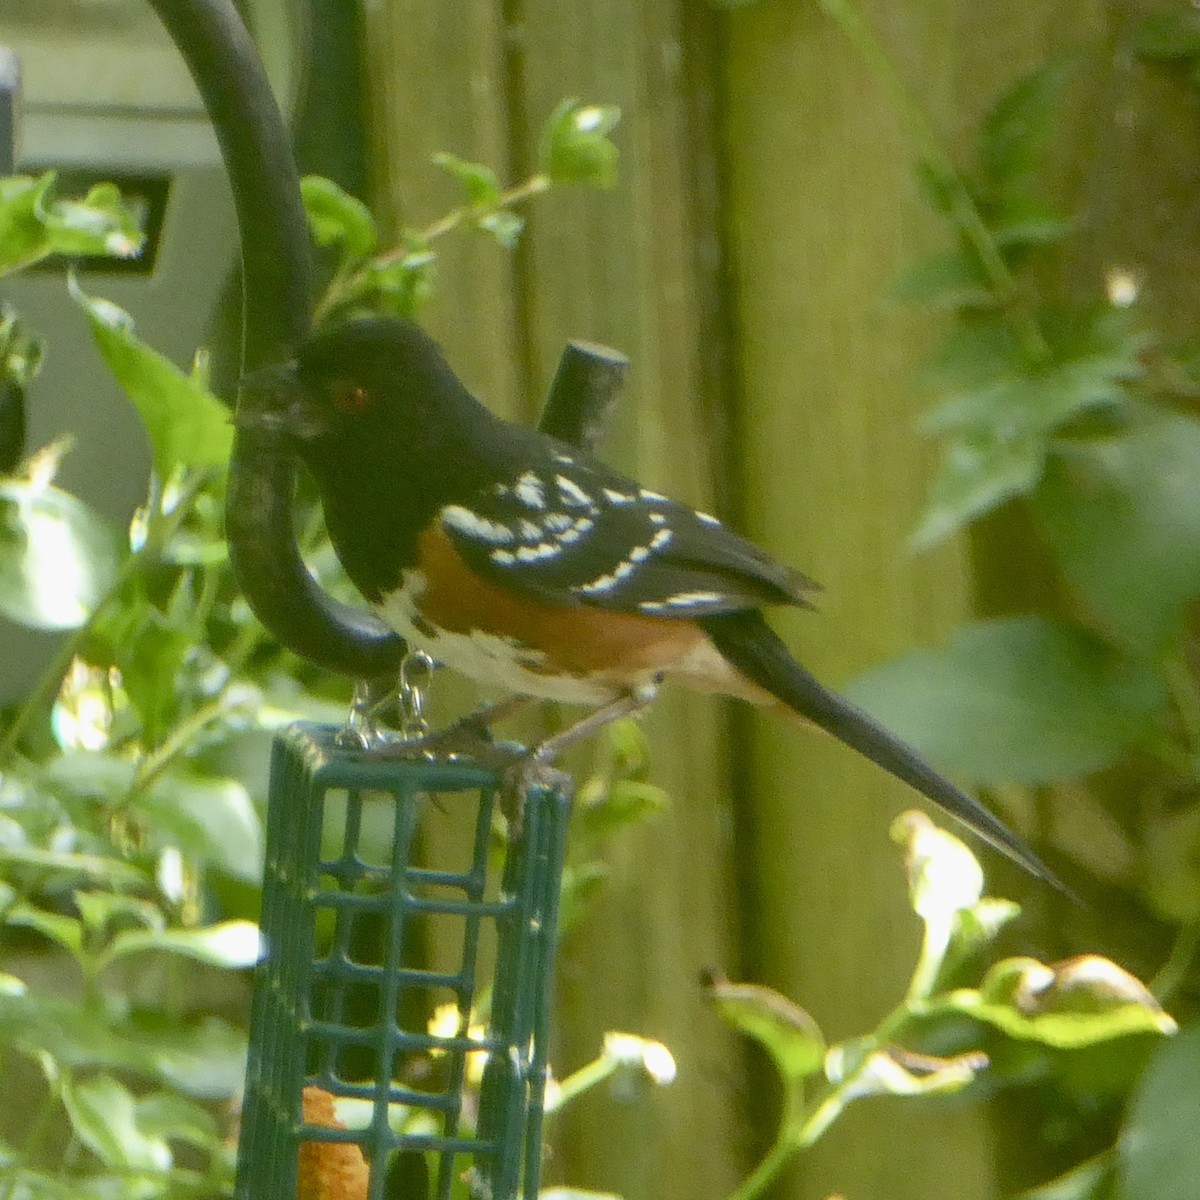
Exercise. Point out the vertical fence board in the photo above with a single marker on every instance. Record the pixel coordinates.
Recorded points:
(823, 214)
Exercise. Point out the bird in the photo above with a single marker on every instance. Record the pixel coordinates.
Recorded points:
(521, 562)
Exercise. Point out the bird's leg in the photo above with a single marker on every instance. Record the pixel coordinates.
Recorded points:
(469, 736)
(533, 768)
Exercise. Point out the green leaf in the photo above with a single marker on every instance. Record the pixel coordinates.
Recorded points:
(34, 225)
(335, 218)
(65, 865)
(101, 910)
(187, 425)
(206, 1060)
(1091, 1180)
(23, 237)
(1159, 1153)
(1123, 515)
(887, 1073)
(20, 352)
(788, 1034)
(171, 1117)
(1170, 36)
(575, 147)
(1028, 221)
(230, 944)
(978, 473)
(211, 820)
(1022, 700)
(65, 931)
(99, 224)
(58, 557)
(1082, 1002)
(1015, 131)
(625, 802)
(400, 287)
(504, 225)
(579, 887)
(104, 1118)
(945, 281)
(73, 1035)
(1004, 412)
(479, 183)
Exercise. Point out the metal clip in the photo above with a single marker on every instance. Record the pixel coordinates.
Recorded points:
(416, 671)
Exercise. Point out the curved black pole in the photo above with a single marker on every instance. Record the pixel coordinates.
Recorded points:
(277, 288)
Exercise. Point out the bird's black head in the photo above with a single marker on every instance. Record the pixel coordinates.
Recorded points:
(384, 426)
(366, 387)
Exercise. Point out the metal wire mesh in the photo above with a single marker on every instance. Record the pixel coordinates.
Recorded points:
(342, 837)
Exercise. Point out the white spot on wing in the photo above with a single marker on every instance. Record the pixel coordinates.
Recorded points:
(657, 519)
(681, 600)
(660, 539)
(473, 525)
(530, 490)
(538, 552)
(614, 497)
(572, 494)
(707, 518)
(646, 494)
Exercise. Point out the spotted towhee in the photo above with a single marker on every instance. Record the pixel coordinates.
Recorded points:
(521, 562)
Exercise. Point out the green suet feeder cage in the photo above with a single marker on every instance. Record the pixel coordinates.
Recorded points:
(342, 843)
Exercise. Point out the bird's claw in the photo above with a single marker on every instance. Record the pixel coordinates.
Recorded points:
(530, 770)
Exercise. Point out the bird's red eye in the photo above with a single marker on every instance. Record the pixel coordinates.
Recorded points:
(350, 397)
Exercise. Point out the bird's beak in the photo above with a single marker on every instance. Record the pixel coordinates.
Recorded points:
(274, 400)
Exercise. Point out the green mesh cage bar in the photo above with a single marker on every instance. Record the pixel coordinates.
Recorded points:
(343, 833)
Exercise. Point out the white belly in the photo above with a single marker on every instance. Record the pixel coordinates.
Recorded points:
(485, 658)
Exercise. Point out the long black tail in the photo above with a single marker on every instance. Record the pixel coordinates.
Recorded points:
(749, 643)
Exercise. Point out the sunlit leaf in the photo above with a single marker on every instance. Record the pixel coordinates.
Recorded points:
(211, 820)
(104, 1118)
(231, 944)
(65, 931)
(100, 223)
(1081, 1002)
(58, 557)
(504, 225)
(187, 425)
(1022, 700)
(789, 1035)
(35, 224)
(337, 218)
(575, 147)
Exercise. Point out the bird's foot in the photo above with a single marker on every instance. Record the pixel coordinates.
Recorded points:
(465, 739)
(529, 770)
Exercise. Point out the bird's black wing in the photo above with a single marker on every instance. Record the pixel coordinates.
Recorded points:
(567, 532)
